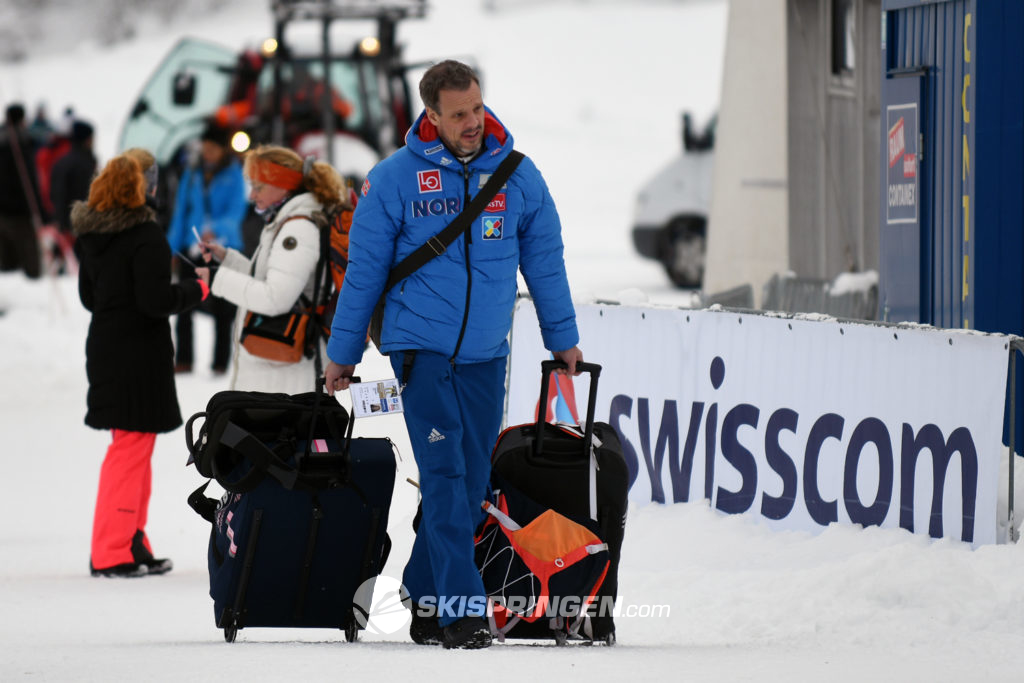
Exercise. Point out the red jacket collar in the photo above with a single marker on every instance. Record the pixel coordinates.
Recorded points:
(427, 132)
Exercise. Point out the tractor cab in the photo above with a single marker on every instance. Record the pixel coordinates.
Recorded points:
(345, 100)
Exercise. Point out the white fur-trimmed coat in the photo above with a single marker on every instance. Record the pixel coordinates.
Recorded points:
(285, 264)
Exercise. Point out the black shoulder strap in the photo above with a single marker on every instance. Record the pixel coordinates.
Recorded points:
(314, 326)
(437, 244)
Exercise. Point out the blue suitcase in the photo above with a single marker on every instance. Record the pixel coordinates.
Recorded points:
(303, 522)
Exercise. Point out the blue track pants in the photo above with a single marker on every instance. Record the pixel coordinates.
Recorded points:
(453, 414)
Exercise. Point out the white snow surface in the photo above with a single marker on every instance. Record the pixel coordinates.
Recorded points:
(593, 92)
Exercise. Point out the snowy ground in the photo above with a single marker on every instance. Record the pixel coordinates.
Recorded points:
(582, 86)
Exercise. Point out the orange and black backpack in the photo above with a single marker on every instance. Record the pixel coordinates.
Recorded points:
(334, 227)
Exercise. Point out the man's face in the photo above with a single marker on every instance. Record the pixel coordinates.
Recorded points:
(460, 119)
(211, 152)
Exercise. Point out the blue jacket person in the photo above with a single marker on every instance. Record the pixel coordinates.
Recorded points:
(446, 326)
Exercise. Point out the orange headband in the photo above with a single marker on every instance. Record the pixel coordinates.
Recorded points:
(274, 174)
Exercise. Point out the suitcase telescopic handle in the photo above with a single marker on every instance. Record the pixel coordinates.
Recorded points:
(549, 366)
(321, 385)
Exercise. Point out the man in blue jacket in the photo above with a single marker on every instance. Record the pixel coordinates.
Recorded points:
(211, 202)
(446, 326)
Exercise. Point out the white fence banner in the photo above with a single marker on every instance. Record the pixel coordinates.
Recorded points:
(803, 421)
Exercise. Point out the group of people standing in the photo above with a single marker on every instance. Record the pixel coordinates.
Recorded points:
(43, 170)
(125, 280)
(445, 326)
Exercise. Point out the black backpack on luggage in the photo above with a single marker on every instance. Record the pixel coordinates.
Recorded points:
(303, 523)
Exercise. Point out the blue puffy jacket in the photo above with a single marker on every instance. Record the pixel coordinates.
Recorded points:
(219, 207)
(460, 303)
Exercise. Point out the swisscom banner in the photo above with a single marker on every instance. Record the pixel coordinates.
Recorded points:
(803, 422)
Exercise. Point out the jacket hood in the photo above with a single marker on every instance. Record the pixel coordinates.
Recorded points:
(87, 221)
(424, 140)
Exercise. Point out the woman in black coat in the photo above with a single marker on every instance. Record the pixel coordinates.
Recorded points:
(125, 281)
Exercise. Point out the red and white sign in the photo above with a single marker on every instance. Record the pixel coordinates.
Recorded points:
(897, 143)
(497, 204)
(430, 181)
(909, 166)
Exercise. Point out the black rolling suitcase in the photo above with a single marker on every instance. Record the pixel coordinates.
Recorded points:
(555, 467)
(303, 522)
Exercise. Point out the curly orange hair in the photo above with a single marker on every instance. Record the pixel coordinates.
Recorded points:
(120, 184)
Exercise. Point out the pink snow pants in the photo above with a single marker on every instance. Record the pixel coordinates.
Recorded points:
(122, 502)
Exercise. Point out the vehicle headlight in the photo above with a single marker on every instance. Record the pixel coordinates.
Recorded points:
(369, 46)
(240, 141)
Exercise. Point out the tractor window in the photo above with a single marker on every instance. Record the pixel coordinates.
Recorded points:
(373, 95)
(345, 80)
(162, 122)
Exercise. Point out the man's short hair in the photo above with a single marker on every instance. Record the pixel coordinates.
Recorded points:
(15, 114)
(447, 75)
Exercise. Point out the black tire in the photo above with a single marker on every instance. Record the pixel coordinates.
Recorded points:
(230, 633)
(683, 249)
(351, 633)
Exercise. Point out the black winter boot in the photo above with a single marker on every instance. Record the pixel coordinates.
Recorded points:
(142, 556)
(128, 570)
(468, 633)
(425, 630)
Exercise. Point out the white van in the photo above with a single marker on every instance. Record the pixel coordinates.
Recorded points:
(671, 218)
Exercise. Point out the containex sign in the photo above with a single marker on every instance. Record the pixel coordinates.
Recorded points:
(803, 421)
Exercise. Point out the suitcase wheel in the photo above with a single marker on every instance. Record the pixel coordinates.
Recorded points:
(230, 633)
(352, 633)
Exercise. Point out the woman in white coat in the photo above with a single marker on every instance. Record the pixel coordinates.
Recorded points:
(286, 191)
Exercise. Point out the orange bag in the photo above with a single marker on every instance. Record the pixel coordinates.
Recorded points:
(280, 338)
(537, 563)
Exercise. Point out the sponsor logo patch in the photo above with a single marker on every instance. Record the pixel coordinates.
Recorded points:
(366, 187)
(445, 161)
(497, 204)
(430, 181)
(492, 227)
(435, 436)
(433, 150)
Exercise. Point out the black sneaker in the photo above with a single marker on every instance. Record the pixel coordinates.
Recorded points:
(142, 556)
(425, 630)
(468, 633)
(128, 570)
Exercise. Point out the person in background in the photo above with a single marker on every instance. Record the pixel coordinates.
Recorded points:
(40, 130)
(72, 174)
(56, 146)
(21, 205)
(445, 326)
(151, 172)
(125, 282)
(286, 191)
(211, 199)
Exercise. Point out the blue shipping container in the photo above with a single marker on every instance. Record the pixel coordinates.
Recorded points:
(952, 210)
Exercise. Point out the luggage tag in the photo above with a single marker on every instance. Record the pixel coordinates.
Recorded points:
(370, 399)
